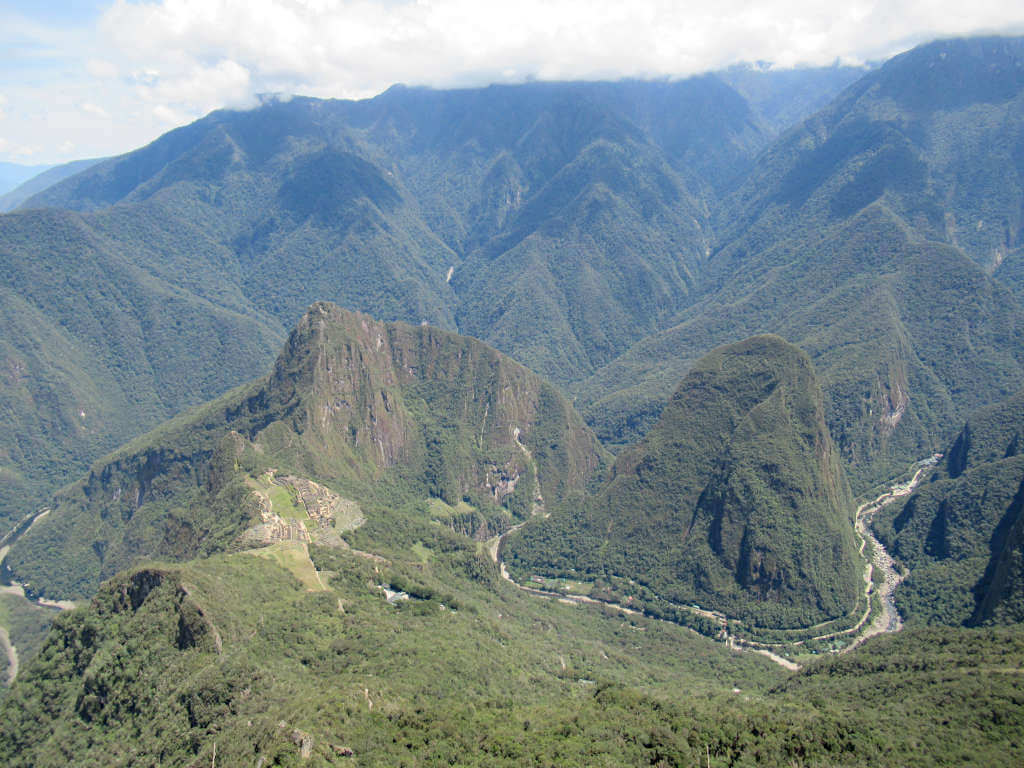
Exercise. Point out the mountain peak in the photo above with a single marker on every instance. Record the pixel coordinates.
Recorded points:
(735, 498)
(353, 404)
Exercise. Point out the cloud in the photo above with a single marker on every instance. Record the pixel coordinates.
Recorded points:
(17, 151)
(157, 63)
(199, 88)
(355, 47)
(95, 110)
(101, 69)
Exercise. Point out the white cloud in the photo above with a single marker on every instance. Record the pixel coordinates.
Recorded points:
(95, 110)
(357, 47)
(169, 115)
(157, 63)
(199, 88)
(101, 68)
(19, 152)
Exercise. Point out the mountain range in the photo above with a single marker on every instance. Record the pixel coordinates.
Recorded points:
(559, 222)
(367, 418)
(410, 430)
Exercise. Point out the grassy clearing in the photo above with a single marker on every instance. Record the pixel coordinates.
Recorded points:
(293, 556)
(438, 508)
(282, 498)
(283, 503)
(421, 551)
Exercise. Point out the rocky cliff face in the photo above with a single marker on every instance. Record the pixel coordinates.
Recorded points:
(419, 400)
(368, 408)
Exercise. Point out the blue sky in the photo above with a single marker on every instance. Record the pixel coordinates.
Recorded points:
(85, 79)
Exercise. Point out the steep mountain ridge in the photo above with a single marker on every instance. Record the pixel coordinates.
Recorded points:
(935, 132)
(960, 534)
(47, 178)
(905, 335)
(880, 217)
(576, 226)
(498, 211)
(387, 415)
(734, 500)
(333, 596)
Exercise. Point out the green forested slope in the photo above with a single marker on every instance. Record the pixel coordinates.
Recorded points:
(559, 221)
(230, 660)
(564, 223)
(867, 235)
(734, 500)
(385, 414)
(960, 534)
(784, 97)
(905, 336)
(98, 344)
(47, 178)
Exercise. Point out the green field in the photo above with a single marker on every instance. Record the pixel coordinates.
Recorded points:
(293, 556)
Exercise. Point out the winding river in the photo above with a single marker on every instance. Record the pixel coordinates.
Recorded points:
(887, 620)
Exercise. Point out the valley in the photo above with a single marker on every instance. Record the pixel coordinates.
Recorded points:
(880, 614)
(553, 423)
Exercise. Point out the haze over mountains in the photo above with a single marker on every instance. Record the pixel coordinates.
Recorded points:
(422, 325)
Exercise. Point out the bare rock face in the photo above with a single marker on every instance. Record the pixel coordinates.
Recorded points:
(396, 396)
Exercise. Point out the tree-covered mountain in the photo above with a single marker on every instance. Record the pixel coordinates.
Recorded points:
(98, 347)
(44, 177)
(960, 535)
(560, 222)
(329, 590)
(867, 235)
(13, 174)
(783, 97)
(384, 416)
(734, 500)
(296, 659)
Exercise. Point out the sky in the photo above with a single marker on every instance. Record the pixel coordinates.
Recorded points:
(90, 78)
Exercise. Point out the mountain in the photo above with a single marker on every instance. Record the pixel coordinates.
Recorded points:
(960, 534)
(935, 133)
(560, 222)
(296, 659)
(311, 567)
(782, 97)
(97, 347)
(546, 219)
(13, 174)
(734, 500)
(868, 236)
(486, 207)
(358, 421)
(46, 176)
